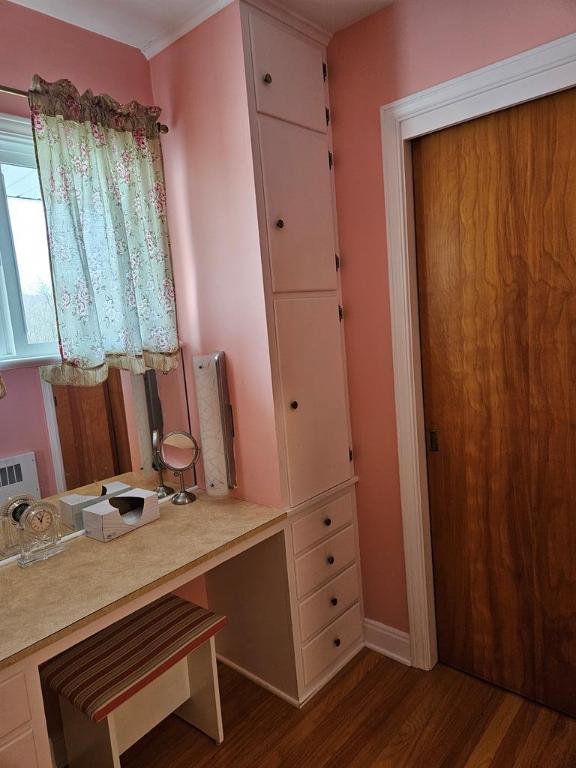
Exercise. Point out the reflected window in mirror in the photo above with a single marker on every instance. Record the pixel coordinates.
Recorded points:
(27, 315)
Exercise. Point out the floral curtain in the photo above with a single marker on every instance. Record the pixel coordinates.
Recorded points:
(100, 167)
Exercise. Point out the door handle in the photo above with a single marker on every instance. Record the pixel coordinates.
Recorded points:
(433, 445)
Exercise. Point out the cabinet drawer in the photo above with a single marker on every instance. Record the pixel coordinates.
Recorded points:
(288, 75)
(325, 561)
(327, 648)
(299, 213)
(20, 752)
(322, 523)
(328, 603)
(14, 706)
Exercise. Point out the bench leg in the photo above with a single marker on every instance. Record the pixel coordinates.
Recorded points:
(202, 710)
(88, 744)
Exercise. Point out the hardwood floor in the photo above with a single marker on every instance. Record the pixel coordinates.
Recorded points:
(376, 713)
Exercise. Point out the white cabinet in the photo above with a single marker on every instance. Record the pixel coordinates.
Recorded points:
(298, 198)
(23, 733)
(291, 147)
(19, 751)
(288, 74)
(313, 394)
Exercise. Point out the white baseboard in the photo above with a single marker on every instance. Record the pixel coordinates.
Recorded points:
(258, 680)
(388, 641)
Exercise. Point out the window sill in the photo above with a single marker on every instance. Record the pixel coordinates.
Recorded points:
(11, 363)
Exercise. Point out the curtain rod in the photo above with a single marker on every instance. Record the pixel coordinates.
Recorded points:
(18, 92)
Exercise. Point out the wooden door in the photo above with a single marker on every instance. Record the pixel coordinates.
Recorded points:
(314, 394)
(93, 431)
(495, 204)
(288, 74)
(298, 193)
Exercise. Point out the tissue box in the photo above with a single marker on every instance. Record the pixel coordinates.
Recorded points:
(71, 506)
(120, 514)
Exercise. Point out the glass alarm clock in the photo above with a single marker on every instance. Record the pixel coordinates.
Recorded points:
(35, 528)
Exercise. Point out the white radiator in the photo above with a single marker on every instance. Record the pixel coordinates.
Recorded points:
(19, 474)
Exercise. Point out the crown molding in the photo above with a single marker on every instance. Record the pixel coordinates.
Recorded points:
(212, 7)
(207, 9)
(294, 20)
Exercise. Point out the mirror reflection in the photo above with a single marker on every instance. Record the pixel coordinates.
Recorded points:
(56, 439)
(179, 451)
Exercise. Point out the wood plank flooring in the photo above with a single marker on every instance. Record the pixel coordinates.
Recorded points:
(375, 714)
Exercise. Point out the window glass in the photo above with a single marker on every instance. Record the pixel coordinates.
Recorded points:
(28, 227)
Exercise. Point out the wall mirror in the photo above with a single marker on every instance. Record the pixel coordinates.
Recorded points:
(55, 439)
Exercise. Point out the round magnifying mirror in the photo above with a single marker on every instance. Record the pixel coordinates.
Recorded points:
(179, 451)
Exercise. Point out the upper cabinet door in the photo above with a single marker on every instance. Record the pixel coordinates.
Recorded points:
(288, 75)
(314, 395)
(298, 196)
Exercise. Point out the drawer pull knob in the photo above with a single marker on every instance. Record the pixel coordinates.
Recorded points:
(280, 224)
(267, 78)
(337, 642)
(294, 405)
(330, 560)
(334, 601)
(328, 522)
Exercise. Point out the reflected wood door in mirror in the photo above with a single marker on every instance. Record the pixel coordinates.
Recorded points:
(93, 431)
(495, 204)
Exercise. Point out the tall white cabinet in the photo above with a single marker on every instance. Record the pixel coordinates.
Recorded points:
(289, 109)
(311, 623)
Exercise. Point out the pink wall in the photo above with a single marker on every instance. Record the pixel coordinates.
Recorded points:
(31, 42)
(408, 46)
(200, 82)
(23, 424)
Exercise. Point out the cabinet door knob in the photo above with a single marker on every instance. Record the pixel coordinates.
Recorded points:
(328, 522)
(294, 405)
(267, 78)
(330, 560)
(337, 642)
(334, 601)
(280, 224)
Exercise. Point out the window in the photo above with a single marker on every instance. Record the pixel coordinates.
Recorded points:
(27, 315)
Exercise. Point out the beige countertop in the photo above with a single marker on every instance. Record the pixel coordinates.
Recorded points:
(50, 599)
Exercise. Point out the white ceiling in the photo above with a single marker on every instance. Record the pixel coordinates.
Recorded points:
(153, 24)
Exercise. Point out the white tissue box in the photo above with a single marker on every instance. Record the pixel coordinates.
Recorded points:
(71, 506)
(104, 521)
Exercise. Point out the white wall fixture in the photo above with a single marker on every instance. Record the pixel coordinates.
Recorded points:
(216, 423)
(546, 69)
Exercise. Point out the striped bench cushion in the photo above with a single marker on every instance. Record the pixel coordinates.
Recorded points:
(102, 672)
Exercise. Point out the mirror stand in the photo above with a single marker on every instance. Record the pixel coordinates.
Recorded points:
(162, 491)
(179, 452)
(183, 496)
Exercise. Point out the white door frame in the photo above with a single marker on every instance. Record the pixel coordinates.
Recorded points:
(540, 71)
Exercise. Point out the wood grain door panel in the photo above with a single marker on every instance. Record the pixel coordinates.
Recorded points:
(298, 191)
(495, 203)
(93, 431)
(310, 354)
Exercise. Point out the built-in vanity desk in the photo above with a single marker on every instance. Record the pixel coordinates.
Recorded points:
(287, 581)
(52, 605)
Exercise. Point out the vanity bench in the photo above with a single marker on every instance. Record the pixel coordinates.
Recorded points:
(117, 685)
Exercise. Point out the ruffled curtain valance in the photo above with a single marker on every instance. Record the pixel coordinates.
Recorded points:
(102, 179)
